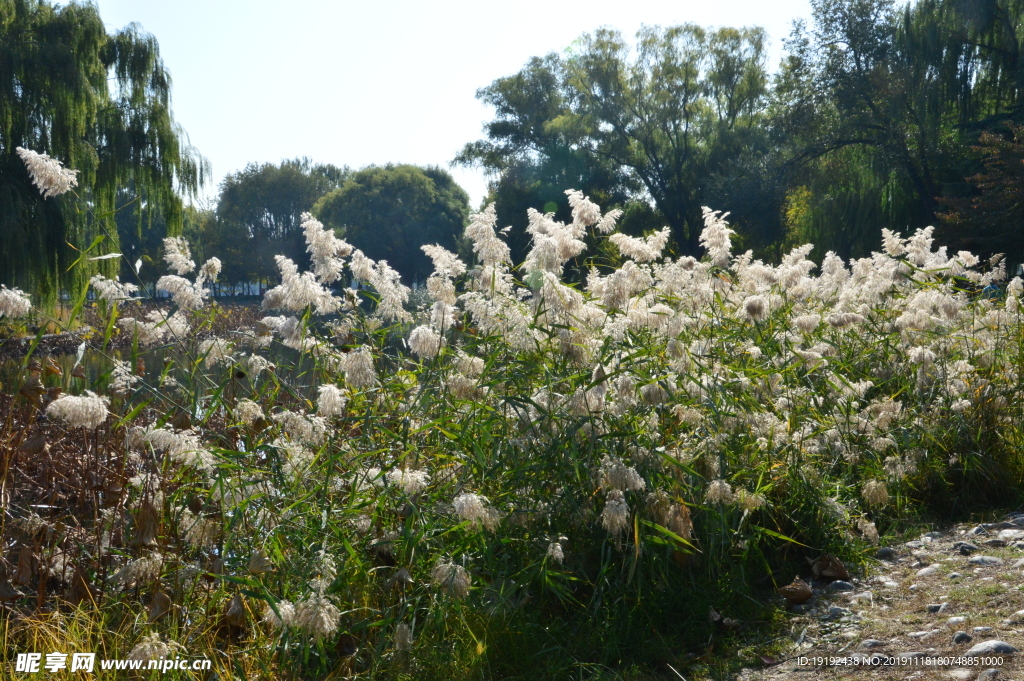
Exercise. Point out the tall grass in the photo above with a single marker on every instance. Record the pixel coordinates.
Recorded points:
(522, 478)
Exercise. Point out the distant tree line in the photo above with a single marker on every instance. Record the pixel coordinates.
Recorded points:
(878, 116)
(387, 211)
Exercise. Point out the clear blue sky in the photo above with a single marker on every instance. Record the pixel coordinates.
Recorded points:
(355, 83)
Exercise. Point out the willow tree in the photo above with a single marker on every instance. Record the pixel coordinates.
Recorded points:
(878, 104)
(98, 102)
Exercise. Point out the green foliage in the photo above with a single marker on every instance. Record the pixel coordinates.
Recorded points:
(259, 216)
(142, 226)
(846, 197)
(389, 211)
(988, 220)
(873, 112)
(599, 464)
(656, 123)
(878, 106)
(98, 102)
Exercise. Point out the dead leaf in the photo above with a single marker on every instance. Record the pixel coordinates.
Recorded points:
(34, 444)
(33, 389)
(147, 525)
(51, 368)
(828, 566)
(796, 592)
(27, 566)
(81, 589)
(181, 421)
(159, 605)
(260, 563)
(236, 616)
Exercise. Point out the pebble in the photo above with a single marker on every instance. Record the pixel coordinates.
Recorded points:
(953, 621)
(1015, 618)
(890, 585)
(1011, 535)
(914, 545)
(989, 675)
(928, 571)
(962, 637)
(885, 553)
(911, 654)
(922, 634)
(962, 674)
(995, 543)
(835, 612)
(984, 560)
(965, 548)
(1018, 563)
(990, 648)
(912, 587)
(954, 575)
(862, 596)
(983, 630)
(871, 643)
(840, 585)
(937, 607)
(1004, 525)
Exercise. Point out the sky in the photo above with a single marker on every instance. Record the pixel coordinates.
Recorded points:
(360, 83)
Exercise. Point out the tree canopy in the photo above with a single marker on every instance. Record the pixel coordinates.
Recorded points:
(990, 220)
(98, 102)
(390, 211)
(872, 120)
(877, 108)
(655, 122)
(259, 214)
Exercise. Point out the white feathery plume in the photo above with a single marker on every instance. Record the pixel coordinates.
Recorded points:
(112, 290)
(177, 255)
(13, 302)
(715, 237)
(331, 401)
(48, 174)
(86, 411)
(641, 250)
(425, 342)
(326, 250)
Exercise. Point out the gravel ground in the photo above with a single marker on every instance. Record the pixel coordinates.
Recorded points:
(949, 605)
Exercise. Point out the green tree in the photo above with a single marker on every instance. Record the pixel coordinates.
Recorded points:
(259, 215)
(142, 227)
(533, 162)
(390, 211)
(876, 108)
(989, 221)
(98, 102)
(658, 121)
